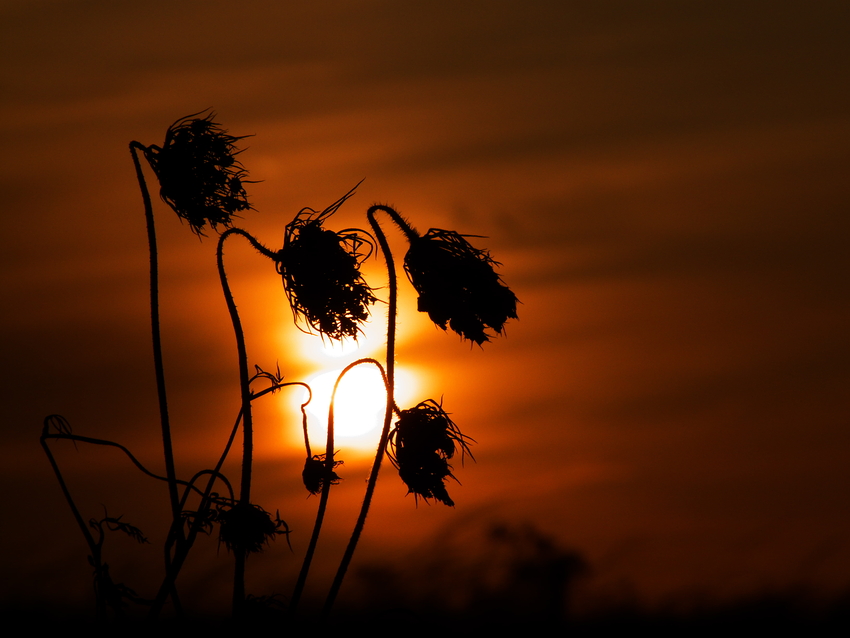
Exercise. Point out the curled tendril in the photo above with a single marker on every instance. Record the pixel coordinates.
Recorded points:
(274, 378)
(115, 524)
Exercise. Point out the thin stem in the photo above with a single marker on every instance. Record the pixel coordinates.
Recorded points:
(168, 452)
(104, 442)
(326, 485)
(174, 564)
(76, 512)
(176, 530)
(390, 381)
(215, 474)
(304, 422)
(247, 418)
(94, 547)
(101, 573)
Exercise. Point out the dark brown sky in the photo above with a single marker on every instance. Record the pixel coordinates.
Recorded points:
(665, 183)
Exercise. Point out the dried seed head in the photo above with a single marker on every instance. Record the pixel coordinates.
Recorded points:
(458, 286)
(247, 527)
(321, 274)
(198, 173)
(316, 473)
(420, 444)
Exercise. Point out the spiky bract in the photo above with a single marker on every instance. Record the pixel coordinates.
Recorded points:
(458, 285)
(198, 173)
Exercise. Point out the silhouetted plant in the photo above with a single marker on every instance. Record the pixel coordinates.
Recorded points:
(108, 594)
(203, 519)
(333, 299)
(330, 464)
(113, 594)
(203, 182)
(466, 298)
(461, 289)
(240, 551)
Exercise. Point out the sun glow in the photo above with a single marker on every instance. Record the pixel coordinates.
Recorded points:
(359, 405)
(361, 397)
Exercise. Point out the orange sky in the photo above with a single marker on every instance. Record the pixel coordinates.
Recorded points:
(666, 187)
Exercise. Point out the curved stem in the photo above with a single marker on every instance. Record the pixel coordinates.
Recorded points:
(403, 225)
(168, 452)
(104, 442)
(247, 418)
(326, 485)
(242, 354)
(304, 417)
(390, 379)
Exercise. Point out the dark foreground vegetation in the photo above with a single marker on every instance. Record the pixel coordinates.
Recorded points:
(785, 614)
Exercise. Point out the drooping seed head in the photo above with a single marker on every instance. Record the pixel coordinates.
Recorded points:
(246, 527)
(421, 443)
(321, 274)
(316, 473)
(198, 173)
(458, 286)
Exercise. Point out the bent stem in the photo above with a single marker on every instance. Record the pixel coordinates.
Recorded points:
(326, 485)
(168, 452)
(390, 382)
(247, 419)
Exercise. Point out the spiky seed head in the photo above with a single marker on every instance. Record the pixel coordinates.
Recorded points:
(246, 526)
(321, 274)
(458, 286)
(316, 473)
(199, 175)
(421, 443)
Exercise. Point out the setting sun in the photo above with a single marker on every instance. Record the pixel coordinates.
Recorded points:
(359, 406)
(361, 396)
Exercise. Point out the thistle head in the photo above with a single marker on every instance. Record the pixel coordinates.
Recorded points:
(321, 274)
(316, 473)
(247, 527)
(458, 285)
(421, 443)
(199, 175)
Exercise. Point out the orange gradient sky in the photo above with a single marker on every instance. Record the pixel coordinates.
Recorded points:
(666, 186)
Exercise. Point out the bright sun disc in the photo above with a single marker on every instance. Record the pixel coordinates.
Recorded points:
(359, 407)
